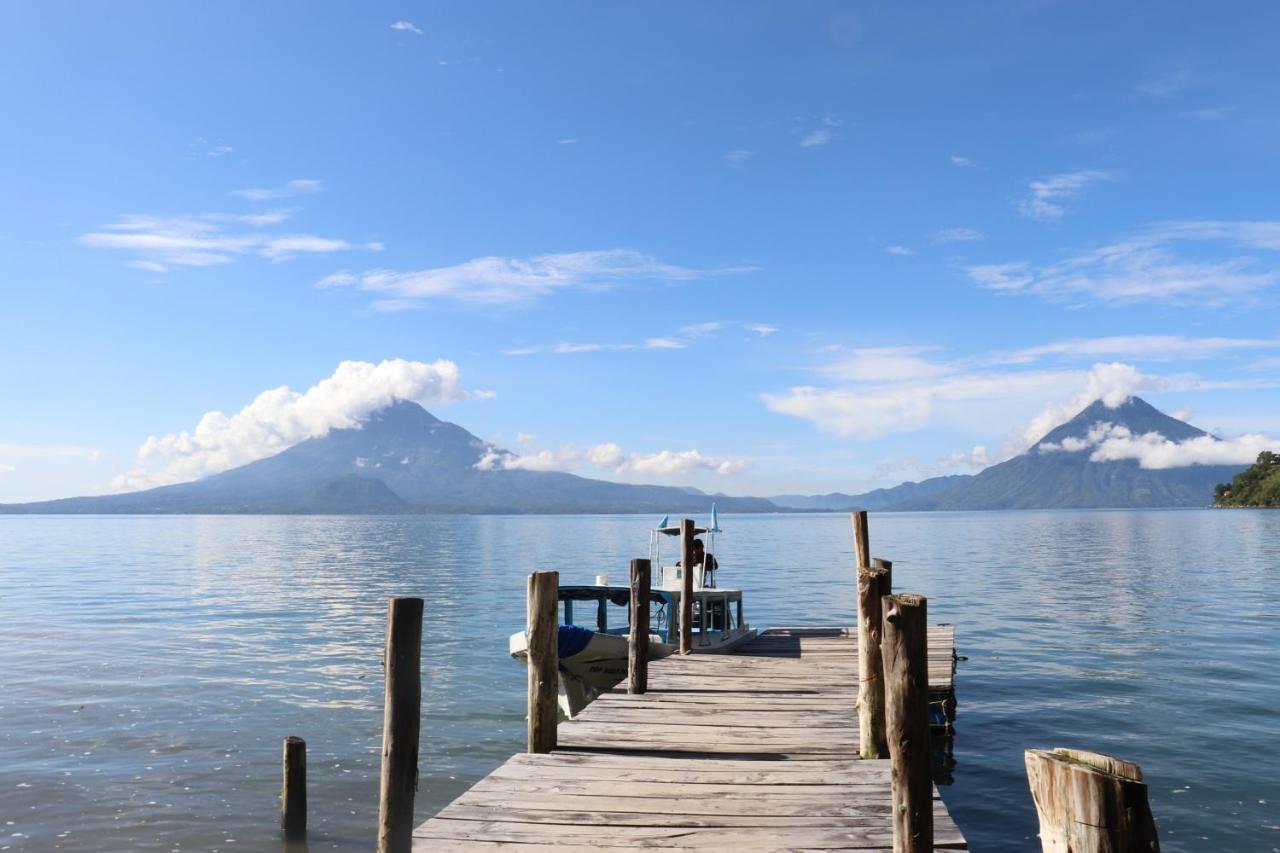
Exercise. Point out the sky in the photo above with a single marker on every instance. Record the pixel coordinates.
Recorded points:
(757, 248)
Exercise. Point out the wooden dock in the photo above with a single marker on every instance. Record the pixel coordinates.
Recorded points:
(752, 751)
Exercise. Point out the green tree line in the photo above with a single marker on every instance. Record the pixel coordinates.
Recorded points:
(1258, 485)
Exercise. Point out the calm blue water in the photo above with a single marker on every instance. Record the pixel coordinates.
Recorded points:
(151, 665)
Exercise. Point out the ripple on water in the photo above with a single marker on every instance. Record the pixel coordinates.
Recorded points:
(154, 664)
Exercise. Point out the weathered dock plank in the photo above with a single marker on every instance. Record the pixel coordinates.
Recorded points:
(754, 751)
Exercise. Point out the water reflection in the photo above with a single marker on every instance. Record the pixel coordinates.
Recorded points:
(153, 664)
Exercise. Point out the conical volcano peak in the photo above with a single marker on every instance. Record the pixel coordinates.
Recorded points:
(1134, 414)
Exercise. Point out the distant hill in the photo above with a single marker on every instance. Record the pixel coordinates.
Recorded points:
(879, 499)
(401, 460)
(1048, 477)
(1257, 486)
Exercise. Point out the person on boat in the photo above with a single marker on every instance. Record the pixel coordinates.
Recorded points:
(702, 558)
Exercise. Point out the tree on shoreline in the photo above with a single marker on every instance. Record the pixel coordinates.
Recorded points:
(1258, 485)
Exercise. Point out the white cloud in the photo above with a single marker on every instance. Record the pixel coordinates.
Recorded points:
(1149, 347)
(1111, 383)
(738, 156)
(962, 162)
(1166, 85)
(1145, 267)
(899, 250)
(406, 27)
(764, 330)
(1049, 194)
(298, 186)
(697, 330)
(507, 281)
(1208, 113)
(568, 140)
(957, 235)
(886, 364)
(663, 343)
(609, 456)
(7, 469)
(160, 243)
(815, 138)
(1112, 443)
(48, 451)
(340, 278)
(280, 418)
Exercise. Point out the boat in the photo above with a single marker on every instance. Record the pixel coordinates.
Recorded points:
(593, 660)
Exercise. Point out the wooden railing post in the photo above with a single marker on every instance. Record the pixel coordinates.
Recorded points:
(905, 647)
(873, 584)
(544, 660)
(638, 641)
(686, 586)
(401, 722)
(1090, 803)
(293, 790)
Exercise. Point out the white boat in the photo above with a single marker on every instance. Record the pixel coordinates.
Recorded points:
(594, 660)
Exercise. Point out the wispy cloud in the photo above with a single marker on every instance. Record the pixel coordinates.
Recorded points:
(957, 235)
(567, 140)
(696, 330)
(899, 250)
(962, 162)
(1208, 113)
(738, 156)
(1165, 85)
(1049, 194)
(280, 418)
(296, 187)
(1146, 267)
(406, 27)
(815, 138)
(160, 243)
(1143, 347)
(611, 457)
(764, 330)
(514, 281)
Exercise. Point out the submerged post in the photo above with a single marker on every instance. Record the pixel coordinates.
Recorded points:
(1090, 803)
(401, 721)
(686, 585)
(544, 660)
(293, 790)
(638, 642)
(905, 647)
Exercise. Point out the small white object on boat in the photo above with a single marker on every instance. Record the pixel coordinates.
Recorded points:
(594, 660)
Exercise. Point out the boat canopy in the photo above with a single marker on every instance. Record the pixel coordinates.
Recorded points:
(675, 531)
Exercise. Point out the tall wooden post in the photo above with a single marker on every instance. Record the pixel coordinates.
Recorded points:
(905, 646)
(861, 537)
(873, 586)
(638, 641)
(401, 721)
(1090, 803)
(293, 790)
(686, 586)
(544, 660)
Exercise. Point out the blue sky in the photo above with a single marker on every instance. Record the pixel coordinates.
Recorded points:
(827, 246)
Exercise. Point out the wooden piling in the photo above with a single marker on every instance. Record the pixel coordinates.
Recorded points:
(861, 539)
(401, 721)
(882, 563)
(904, 646)
(686, 585)
(638, 641)
(544, 660)
(293, 790)
(873, 586)
(1090, 803)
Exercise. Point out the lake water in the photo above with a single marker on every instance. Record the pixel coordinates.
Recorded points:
(152, 665)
